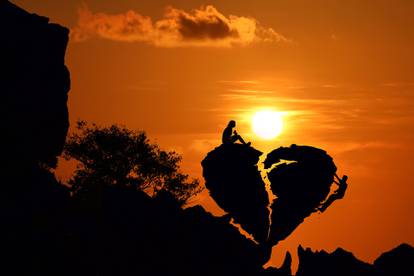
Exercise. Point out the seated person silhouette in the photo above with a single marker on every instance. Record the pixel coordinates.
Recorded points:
(230, 136)
(338, 194)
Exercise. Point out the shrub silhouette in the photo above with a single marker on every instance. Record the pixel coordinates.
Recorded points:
(117, 156)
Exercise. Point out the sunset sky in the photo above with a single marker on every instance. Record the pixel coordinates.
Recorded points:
(340, 72)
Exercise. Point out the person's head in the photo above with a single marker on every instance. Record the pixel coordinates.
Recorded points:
(232, 123)
(344, 178)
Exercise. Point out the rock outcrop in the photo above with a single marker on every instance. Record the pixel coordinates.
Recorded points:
(398, 261)
(133, 234)
(34, 83)
(339, 263)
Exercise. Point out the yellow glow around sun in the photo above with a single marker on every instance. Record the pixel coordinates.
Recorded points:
(267, 124)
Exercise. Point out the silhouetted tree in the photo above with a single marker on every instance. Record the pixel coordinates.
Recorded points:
(118, 156)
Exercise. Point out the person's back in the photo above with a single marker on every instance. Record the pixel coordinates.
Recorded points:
(227, 133)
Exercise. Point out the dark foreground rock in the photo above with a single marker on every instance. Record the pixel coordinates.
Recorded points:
(34, 83)
(339, 263)
(130, 233)
(398, 261)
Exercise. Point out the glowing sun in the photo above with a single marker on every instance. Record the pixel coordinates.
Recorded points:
(267, 124)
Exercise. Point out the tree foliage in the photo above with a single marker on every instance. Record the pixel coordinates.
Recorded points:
(118, 156)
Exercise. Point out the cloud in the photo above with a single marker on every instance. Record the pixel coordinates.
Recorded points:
(203, 27)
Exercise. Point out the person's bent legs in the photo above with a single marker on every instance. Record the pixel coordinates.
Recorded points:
(242, 141)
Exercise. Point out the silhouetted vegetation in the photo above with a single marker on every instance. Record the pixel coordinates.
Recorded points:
(117, 156)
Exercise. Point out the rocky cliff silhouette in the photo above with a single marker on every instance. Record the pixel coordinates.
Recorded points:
(45, 231)
(397, 261)
(134, 234)
(34, 83)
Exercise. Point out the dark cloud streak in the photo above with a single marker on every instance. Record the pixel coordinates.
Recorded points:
(203, 27)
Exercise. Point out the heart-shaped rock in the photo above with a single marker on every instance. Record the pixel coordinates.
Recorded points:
(300, 178)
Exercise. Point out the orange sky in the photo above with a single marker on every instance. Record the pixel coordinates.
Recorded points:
(341, 71)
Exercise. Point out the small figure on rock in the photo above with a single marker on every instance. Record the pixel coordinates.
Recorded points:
(338, 194)
(230, 136)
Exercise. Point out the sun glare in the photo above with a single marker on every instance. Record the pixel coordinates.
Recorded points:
(267, 124)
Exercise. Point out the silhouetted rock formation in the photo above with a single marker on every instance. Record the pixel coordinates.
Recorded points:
(300, 186)
(338, 263)
(34, 211)
(398, 261)
(234, 182)
(34, 83)
(131, 233)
